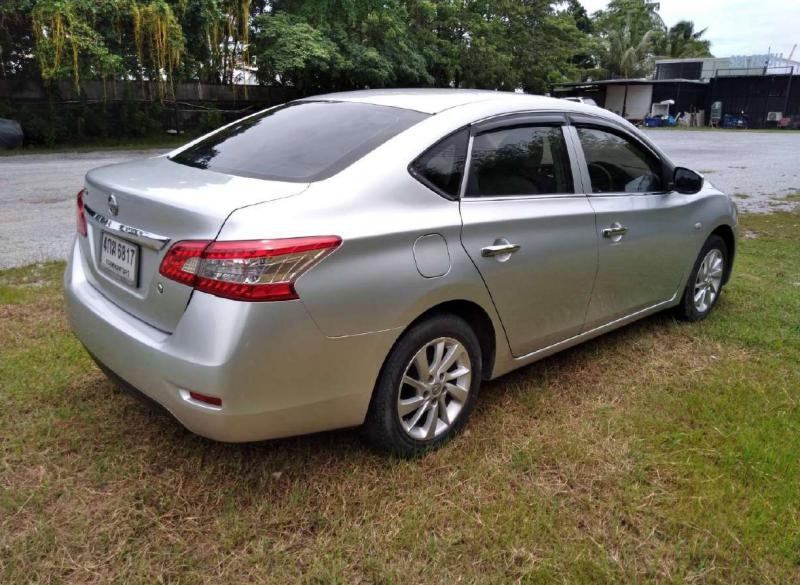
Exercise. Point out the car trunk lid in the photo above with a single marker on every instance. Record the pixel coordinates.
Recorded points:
(149, 205)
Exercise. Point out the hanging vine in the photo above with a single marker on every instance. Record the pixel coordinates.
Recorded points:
(230, 37)
(72, 39)
(138, 42)
(156, 29)
(53, 27)
(244, 25)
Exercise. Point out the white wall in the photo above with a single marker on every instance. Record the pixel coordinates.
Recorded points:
(614, 96)
(638, 101)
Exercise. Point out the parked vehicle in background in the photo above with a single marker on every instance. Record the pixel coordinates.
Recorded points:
(581, 100)
(368, 258)
(11, 135)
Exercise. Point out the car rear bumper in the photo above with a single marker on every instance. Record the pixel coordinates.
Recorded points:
(275, 371)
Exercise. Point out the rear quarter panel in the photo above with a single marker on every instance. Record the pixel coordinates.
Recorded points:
(372, 283)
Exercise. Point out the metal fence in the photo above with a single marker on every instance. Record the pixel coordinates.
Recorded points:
(754, 71)
(142, 91)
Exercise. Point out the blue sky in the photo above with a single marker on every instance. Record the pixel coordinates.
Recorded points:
(735, 27)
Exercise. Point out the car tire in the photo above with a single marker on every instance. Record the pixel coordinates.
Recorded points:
(413, 410)
(705, 281)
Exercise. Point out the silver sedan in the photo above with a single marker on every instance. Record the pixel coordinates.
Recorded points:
(368, 258)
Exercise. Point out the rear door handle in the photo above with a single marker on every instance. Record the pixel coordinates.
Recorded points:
(499, 250)
(615, 230)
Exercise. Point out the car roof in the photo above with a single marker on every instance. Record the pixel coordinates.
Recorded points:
(433, 101)
(474, 104)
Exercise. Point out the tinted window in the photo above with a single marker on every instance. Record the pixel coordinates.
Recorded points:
(617, 165)
(519, 161)
(441, 167)
(301, 141)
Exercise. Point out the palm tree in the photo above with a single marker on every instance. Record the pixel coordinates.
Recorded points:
(627, 56)
(629, 30)
(682, 42)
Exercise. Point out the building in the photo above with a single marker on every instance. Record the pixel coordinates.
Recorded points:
(706, 69)
(633, 98)
(762, 90)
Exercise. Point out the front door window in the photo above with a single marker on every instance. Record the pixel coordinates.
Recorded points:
(617, 165)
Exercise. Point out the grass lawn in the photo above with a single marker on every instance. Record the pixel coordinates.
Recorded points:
(664, 452)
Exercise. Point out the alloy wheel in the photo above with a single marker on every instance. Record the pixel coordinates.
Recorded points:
(708, 280)
(434, 388)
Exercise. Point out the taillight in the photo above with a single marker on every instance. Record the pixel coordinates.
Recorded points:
(183, 260)
(253, 270)
(81, 214)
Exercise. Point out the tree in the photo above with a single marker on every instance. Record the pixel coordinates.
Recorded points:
(639, 16)
(124, 39)
(16, 38)
(682, 42)
(585, 59)
(626, 56)
(311, 45)
(289, 51)
(628, 30)
(323, 45)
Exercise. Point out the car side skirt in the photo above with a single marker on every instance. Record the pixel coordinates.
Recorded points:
(507, 363)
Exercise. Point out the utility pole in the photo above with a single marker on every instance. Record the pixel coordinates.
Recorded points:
(625, 101)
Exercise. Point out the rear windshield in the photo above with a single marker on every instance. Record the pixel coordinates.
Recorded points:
(300, 141)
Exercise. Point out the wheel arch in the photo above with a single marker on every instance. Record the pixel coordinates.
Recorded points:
(480, 322)
(729, 237)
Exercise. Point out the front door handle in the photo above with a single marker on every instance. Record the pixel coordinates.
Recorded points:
(615, 231)
(499, 250)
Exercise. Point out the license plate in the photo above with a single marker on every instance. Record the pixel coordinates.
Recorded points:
(120, 258)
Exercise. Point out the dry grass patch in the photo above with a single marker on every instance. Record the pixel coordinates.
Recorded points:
(663, 452)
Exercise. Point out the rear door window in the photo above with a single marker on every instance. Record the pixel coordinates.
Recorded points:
(300, 141)
(618, 165)
(527, 160)
(441, 167)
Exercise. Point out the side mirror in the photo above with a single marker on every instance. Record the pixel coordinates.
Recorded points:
(686, 181)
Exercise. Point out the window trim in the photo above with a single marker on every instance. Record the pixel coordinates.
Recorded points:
(435, 188)
(523, 120)
(569, 122)
(586, 120)
(518, 119)
(612, 127)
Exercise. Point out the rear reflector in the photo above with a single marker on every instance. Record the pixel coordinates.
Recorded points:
(82, 229)
(212, 400)
(252, 270)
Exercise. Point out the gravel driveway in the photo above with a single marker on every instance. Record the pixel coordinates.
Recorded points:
(37, 191)
(37, 201)
(756, 168)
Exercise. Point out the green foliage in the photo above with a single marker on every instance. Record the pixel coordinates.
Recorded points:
(631, 34)
(683, 41)
(312, 45)
(627, 29)
(209, 120)
(315, 46)
(16, 38)
(289, 50)
(50, 123)
(158, 38)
